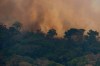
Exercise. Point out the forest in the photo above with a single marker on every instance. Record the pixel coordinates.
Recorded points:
(77, 47)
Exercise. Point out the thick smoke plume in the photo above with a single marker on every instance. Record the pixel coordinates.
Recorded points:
(46, 14)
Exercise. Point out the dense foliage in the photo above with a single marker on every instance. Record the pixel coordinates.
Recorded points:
(20, 48)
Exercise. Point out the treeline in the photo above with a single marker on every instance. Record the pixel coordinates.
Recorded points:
(18, 48)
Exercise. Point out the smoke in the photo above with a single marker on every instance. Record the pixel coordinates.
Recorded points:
(46, 14)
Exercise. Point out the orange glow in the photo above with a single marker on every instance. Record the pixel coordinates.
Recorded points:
(46, 14)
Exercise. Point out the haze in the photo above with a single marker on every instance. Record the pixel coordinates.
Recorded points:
(46, 14)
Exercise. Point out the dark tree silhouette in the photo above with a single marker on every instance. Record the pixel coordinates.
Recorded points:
(17, 25)
(69, 33)
(3, 35)
(92, 35)
(51, 33)
(74, 34)
(30, 46)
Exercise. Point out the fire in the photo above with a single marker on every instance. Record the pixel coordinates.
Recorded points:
(47, 14)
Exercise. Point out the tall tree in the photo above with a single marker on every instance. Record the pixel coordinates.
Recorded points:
(51, 33)
(74, 34)
(92, 35)
(17, 25)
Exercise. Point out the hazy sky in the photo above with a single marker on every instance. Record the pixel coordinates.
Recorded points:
(46, 14)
